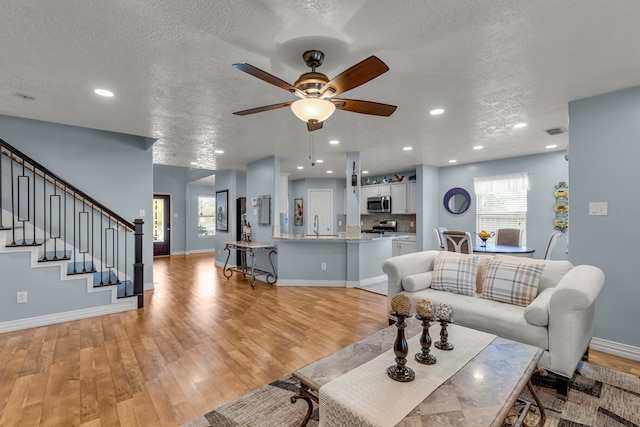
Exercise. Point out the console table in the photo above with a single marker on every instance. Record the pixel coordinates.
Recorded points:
(243, 266)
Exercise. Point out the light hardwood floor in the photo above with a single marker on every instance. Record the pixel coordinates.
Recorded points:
(200, 341)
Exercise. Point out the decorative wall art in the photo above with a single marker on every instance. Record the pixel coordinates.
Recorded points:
(222, 210)
(562, 206)
(297, 214)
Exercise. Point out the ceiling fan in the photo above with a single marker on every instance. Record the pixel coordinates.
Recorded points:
(316, 91)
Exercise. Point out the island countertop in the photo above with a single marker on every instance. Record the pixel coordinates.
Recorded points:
(329, 238)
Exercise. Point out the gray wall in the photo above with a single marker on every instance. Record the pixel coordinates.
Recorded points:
(545, 171)
(427, 193)
(603, 167)
(115, 169)
(172, 180)
(227, 180)
(197, 243)
(299, 189)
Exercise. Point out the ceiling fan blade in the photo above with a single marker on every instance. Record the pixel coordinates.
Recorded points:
(263, 75)
(359, 74)
(311, 126)
(261, 109)
(364, 107)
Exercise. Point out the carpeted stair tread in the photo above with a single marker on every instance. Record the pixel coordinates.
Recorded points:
(80, 268)
(51, 256)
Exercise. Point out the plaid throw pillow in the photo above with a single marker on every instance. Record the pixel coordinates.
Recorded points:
(455, 274)
(511, 281)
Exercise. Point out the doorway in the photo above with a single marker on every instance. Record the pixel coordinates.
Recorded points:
(161, 224)
(321, 204)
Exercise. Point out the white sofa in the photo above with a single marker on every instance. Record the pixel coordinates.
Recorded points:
(559, 320)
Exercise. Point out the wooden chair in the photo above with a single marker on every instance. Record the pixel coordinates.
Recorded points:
(438, 231)
(552, 243)
(508, 236)
(458, 241)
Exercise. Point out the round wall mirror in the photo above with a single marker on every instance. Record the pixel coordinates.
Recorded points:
(457, 200)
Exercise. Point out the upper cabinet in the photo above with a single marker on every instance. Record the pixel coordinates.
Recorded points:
(403, 198)
(367, 191)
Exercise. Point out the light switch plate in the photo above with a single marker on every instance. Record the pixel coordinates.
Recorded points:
(598, 208)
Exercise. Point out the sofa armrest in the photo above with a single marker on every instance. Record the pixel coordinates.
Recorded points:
(571, 316)
(398, 267)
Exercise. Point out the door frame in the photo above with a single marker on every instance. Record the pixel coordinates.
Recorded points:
(170, 216)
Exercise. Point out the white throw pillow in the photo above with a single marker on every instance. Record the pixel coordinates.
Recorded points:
(512, 282)
(482, 266)
(417, 282)
(537, 313)
(455, 274)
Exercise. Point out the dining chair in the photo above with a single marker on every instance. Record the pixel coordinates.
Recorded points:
(438, 231)
(458, 241)
(552, 243)
(508, 236)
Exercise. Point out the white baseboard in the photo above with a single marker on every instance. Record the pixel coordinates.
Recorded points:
(201, 251)
(615, 348)
(49, 319)
(312, 283)
(365, 282)
(149, 286)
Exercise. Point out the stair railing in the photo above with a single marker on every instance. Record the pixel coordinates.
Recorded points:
(45, 210)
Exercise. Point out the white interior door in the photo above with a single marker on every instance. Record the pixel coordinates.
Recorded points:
(321, 204)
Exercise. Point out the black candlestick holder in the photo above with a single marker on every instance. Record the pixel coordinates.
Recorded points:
(399, 371)
(425, 342)
(444, 343)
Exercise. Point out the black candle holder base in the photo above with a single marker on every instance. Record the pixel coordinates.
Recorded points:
(444, 343)
(403, 374)
(424, 356)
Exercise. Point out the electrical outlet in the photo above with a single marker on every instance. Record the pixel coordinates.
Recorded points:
(21, 297)
(323, 266)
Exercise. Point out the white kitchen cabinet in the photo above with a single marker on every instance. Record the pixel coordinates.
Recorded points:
(367, 191)
(411, 197)
(403, 246)
(403, 198)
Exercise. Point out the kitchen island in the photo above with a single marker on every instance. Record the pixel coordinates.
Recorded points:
(332, 261)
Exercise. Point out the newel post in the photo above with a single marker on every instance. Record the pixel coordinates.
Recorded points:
(138, 266)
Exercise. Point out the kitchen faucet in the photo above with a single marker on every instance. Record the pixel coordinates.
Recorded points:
(316, 226)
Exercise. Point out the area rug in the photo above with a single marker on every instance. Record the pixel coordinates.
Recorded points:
(377, 288)
(598, 397)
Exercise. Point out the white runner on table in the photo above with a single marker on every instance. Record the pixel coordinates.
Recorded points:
(366, 396)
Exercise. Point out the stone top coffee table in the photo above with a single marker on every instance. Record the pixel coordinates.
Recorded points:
(479, 394)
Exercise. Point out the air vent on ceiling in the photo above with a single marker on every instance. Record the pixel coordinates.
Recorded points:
(556, 131)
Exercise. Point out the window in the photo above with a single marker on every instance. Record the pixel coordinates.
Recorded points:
(501, 202)
(206, 216)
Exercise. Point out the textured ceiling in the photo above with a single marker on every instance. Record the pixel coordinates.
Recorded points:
(489, 64)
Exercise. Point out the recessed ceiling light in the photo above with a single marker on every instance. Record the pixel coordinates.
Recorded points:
(329, 171)
(103, 92)
(319, 161)
(194, 163)
(436, 111)
(365, 171)
(519, 125)
(334, 142)
(219, 151)
(300, 167)
(452, 161)
(407, 148)
(552, 146)
(478, 147)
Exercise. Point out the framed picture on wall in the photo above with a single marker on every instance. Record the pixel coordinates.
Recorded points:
(297, 212)
(222, 210)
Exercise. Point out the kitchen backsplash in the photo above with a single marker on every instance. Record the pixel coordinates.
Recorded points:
(406, 223)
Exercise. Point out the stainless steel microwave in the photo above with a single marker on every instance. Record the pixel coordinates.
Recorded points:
(379, 204)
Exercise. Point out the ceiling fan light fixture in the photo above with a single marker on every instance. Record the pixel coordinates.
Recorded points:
(313, 109)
